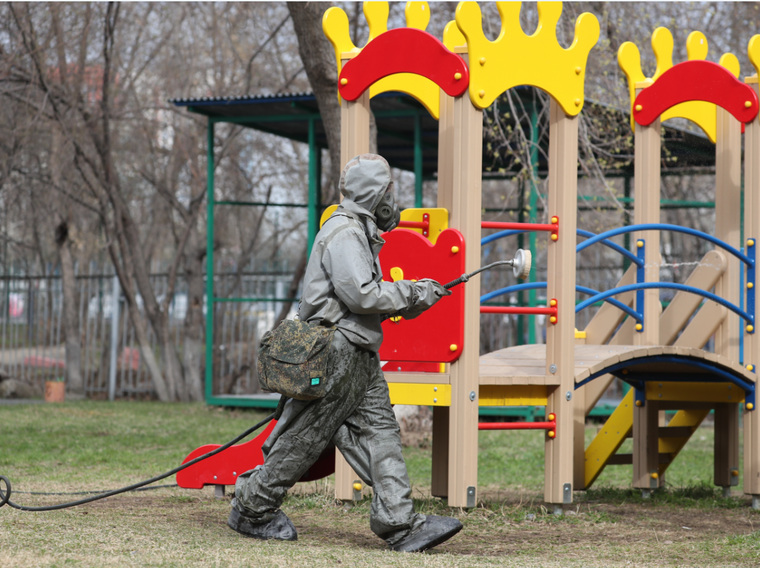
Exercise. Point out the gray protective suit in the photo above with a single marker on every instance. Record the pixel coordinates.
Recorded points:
(343, 286)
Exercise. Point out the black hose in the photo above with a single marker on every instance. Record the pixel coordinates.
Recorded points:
(5, 494)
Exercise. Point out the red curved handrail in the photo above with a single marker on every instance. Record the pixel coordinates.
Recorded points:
(404, 50)
(696, 81)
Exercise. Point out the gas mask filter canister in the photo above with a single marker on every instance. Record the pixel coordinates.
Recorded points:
(387, 212)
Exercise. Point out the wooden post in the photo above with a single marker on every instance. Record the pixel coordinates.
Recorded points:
(354, 140)
(439, 483)
(459, 190)
(728, 161)
(560, 337)
(647, 210)
(752, 340)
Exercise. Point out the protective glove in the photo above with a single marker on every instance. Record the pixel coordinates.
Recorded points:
(427, 292)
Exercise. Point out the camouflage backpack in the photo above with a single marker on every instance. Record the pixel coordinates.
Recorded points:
(293, 359)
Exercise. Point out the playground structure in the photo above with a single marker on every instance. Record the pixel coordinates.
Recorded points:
(660, 353)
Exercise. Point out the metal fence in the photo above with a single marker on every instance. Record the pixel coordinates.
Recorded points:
(32, 335)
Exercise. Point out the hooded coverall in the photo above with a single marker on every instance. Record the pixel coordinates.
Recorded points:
(343, 286)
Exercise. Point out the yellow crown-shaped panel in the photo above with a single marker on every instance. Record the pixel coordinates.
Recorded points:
(336, 27)
(753, 50)
(703, 114)
(515, 58)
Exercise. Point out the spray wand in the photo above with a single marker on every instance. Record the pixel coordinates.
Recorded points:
(520, 268)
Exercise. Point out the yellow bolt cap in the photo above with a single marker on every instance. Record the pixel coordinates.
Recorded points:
(344, 81)
(357, 486)
(654, 475)
(453, 347)
(454, 249)
(638, 108)
(457, 76)
(750, 406)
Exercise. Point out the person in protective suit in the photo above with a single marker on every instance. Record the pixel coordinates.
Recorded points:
(343, 287)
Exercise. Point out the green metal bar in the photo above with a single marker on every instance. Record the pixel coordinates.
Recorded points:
(684, 203)
(242, 402)
(254, 299)
(417, 161)
(520, 324)
(664, 204)
(396, 113)
(627, 200)
(268, 118)
(209, 259)
(533, 209)
(261, 204)
(313, 211)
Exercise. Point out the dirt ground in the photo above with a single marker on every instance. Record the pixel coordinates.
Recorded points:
(509, 530)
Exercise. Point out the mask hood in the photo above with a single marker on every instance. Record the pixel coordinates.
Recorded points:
(365, 180)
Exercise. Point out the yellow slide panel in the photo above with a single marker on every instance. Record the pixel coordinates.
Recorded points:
(607, 441)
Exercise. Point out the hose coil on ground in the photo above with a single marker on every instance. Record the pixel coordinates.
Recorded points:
(5, 494)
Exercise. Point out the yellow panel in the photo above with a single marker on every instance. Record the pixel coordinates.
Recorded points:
(417, 15)
(326, 214)
(420, 394)
(694, 392)
(417, 86)
(515, 58)
(439, 220)
(512, 395)
(609, 439)
(689, 418)
(701, 113)
(753, 50)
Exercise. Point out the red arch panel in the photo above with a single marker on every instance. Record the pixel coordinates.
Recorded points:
(696, 81)
(404, 50)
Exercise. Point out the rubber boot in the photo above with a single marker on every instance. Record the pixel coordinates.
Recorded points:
(278, 528)
(432, 532)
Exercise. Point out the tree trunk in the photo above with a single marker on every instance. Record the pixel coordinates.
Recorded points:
(321, 69)
(163, 388)
(193, 352)
(74, 379)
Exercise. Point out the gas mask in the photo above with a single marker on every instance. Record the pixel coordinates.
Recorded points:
(387, 213)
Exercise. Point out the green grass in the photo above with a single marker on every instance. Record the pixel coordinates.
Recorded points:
(90, 445)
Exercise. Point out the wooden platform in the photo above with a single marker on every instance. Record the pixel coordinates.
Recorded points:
(527, 365)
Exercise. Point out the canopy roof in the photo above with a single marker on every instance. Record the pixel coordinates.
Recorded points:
(398, 116)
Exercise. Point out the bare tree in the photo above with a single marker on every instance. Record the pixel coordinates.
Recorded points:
(94, 161)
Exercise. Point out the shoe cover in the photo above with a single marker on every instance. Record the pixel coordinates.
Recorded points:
(279, 528)
(433, 532)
